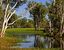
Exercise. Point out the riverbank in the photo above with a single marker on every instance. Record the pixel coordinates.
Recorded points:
(12, 31)
(11, 40)
(7, 42)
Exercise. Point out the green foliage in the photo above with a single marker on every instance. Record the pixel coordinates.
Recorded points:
(30, 24)
(38, 12)
(21, 23)
(55, 16)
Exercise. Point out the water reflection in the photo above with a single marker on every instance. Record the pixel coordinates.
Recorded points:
(29, 41)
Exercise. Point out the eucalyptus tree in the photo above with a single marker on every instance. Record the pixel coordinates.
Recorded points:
(8, 12)
(56, 16)
(38, 13)
(11, 3)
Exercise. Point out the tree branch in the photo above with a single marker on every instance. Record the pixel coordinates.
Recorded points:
(21, 17)
(14, 6)
(11, 9)
(32, 7)
(14, 21)
(11, 15)
(6, 12)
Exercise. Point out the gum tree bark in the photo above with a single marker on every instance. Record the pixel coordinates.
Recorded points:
(7, 16)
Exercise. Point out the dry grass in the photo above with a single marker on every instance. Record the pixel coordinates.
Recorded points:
(6, 42)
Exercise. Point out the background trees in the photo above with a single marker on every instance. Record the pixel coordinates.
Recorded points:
(54, 24)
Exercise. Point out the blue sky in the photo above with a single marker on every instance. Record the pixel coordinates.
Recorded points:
(21, 11)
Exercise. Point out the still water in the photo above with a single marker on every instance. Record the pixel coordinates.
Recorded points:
(29, 41)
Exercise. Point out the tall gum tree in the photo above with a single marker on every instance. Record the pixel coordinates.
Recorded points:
(57, 18)
(38, 13)
(8, 14)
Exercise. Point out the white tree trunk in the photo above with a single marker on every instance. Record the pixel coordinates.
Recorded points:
(6, 19)
(61, 31)
(7, 16)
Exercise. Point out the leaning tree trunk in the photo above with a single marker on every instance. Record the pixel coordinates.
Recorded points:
(4, 27)
(6, 19)
(2, 31)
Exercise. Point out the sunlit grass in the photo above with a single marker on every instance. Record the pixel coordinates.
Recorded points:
(23, 31)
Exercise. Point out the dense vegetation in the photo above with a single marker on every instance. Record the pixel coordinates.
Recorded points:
(47, 20)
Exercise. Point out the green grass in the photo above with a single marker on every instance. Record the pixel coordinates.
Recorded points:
(23, 31)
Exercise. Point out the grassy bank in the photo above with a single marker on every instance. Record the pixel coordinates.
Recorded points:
(23, 30)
